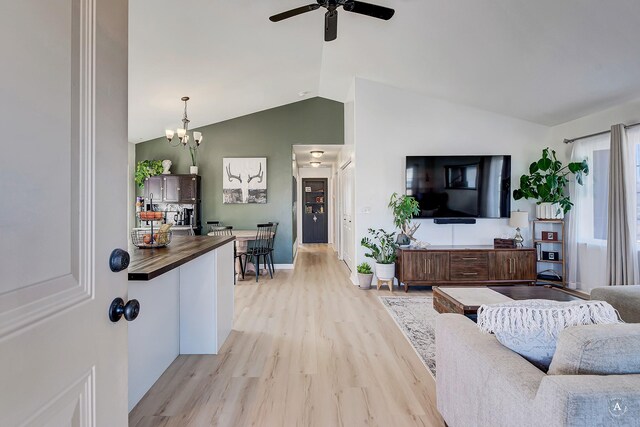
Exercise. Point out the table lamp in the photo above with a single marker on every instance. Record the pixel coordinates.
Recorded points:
(519, 220)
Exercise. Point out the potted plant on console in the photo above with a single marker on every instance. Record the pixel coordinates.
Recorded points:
(383, 251)
(547, 181)
(404, 209)
(365, 275)
(147, 168)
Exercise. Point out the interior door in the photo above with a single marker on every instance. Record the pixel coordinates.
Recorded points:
(64, 186)
(347, 204)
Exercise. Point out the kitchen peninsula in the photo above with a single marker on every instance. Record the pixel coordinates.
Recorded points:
(185, 292)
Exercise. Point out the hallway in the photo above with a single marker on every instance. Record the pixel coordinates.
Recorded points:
(308, 349)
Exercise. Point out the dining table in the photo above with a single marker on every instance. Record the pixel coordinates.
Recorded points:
(243, 237)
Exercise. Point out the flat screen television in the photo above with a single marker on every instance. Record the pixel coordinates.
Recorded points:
(460, 186)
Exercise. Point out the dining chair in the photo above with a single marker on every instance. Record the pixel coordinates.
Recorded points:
(274, 230)
(228, 231)
(259, 247)
(213, 224)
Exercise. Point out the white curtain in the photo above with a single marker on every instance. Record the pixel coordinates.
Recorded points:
(622, 259)
(587, 220)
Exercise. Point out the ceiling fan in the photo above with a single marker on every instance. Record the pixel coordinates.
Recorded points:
(331, 16)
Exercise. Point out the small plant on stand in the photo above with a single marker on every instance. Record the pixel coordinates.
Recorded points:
(365, 275)
(404, 209)
(383, 250)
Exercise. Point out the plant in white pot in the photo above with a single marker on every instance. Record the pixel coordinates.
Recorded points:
(383, 251)
(547, 181)
(404, 209)
(365, 275)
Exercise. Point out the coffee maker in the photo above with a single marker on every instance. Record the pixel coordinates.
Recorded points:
(187, 216)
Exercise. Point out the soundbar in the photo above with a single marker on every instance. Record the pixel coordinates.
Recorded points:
(454, 220)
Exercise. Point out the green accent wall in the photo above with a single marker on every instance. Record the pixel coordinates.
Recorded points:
(271, 134)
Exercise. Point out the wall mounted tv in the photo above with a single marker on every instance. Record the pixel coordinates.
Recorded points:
(460, 186)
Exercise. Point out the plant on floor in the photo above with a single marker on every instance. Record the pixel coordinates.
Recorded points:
(404, 209)
(548, 179)
(147, 168)
(365, 275)
(384, 251)
(364, 268)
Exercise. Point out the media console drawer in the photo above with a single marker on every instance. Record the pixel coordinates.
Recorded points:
(469, 266)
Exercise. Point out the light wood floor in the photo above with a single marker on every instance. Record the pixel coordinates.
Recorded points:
(308, 349)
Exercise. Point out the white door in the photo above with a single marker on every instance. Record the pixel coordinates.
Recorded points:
(63, 103)
(347, 205)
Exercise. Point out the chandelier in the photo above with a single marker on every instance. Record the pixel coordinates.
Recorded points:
(183, 133)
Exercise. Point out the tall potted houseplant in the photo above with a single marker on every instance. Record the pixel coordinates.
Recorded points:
(547, 181)
(383, 250)
(404, 209)
(194, 160)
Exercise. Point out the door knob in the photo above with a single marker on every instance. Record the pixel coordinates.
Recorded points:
(119, 260)
(118, 308)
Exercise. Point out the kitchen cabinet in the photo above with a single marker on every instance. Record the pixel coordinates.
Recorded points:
(188, 192)
(153, 188)
(173, 188)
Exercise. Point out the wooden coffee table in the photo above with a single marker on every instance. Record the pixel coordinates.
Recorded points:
(467, 300)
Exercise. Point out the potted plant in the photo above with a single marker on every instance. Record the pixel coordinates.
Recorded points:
(383, 251)
(404, 209)
(547, 181)
(147, 168)
(194, 160)
(365, 275)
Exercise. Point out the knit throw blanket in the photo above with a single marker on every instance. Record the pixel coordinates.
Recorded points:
(530, 316)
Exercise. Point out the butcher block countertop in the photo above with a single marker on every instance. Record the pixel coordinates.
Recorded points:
(147, 264)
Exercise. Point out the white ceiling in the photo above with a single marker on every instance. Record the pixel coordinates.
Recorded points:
(546, 61)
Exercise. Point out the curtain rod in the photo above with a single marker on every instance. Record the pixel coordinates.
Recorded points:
(569, 141)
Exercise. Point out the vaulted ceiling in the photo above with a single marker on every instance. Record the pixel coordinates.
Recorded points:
(546, 61)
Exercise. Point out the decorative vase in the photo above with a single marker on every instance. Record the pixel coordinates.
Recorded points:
(166, 165)
(549, 211)
(364, 280)
(385, 271)
(193, 170)
(403, 240)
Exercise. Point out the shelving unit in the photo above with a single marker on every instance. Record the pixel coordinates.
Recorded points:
(314, 219)
(556, 267)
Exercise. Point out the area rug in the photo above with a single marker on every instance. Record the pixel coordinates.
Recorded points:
(416, 318)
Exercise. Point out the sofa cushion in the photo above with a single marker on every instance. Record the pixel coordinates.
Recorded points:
(625, 299)
(531, 327)
(597, 350)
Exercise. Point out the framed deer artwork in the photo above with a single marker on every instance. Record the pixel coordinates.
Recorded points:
(244, 180)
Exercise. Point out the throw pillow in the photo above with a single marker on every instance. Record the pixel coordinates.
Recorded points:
(531, 327)
(597, 350)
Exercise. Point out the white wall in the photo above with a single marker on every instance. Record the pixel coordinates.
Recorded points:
(390, 123)
(324, 172)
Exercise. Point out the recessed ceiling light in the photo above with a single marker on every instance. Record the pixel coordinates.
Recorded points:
(315, 164)
(303, 93)
(317, 153)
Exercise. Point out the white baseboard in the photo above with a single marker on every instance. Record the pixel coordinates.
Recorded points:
(284, 266)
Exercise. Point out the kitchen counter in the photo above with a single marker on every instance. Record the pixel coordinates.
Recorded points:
(186, 295)
(146, 264)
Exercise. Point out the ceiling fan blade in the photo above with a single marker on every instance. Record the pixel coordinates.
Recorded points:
(330, 25)
(368, 9)
(294, 12)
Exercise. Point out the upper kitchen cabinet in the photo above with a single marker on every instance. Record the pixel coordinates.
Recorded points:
(173, 188)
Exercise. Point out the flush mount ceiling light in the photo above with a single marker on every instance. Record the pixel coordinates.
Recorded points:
(183, 133)
(315, 164)
(317, 153)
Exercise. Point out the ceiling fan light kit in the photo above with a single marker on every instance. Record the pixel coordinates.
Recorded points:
(331, 16)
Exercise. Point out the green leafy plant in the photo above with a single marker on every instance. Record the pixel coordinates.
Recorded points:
(383, 246)
(147, 168)
(548, 179)
(194, 155)
(364, 268)
(404, 209)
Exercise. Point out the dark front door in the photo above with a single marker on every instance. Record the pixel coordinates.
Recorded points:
(315, 225)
